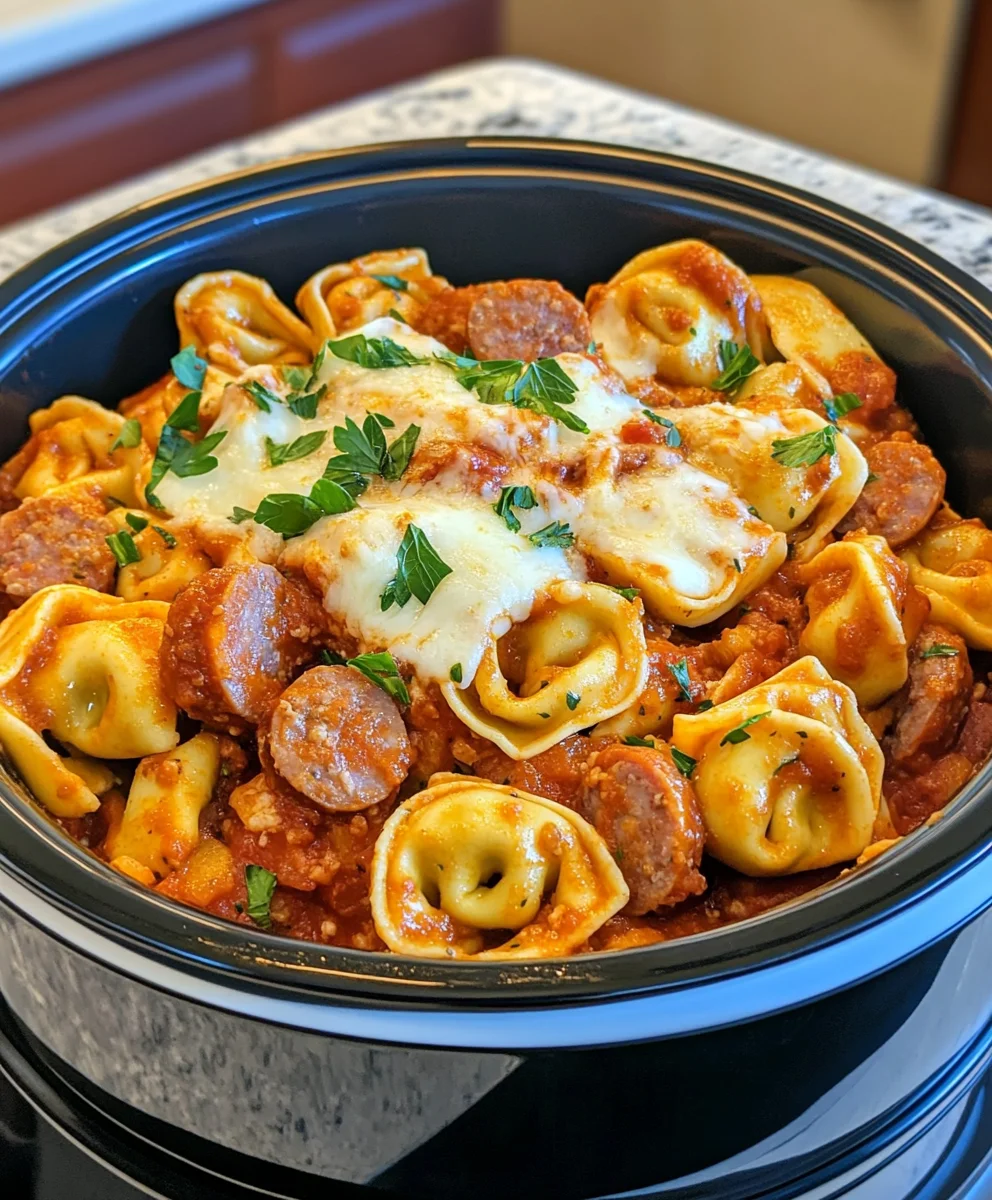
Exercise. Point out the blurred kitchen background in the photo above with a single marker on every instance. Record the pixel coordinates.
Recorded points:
(94, 91)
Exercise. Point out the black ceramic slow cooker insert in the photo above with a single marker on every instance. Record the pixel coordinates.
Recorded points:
(816, 1050)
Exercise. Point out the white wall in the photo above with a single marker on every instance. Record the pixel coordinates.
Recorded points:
(867, 80)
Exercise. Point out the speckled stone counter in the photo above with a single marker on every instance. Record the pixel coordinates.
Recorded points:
(510, 96)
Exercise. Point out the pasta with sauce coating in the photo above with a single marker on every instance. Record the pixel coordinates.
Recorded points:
(788, 775)
(664, 314)
(473, 869)
(951, 564)
(578, 659)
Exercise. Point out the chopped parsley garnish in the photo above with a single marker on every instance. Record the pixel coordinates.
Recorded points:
(739, 733)
(303, 400)
(520, 496)
(685, 762)
(264, 397)
(261, 886)
(786, 762)
(377, 354)
(455, 674)
(872, 478)
(556, 534)
(633, 740)
(627, 593)
(182, 457)
(123, 548)
(736, 363)
(166, 536)
(572, 700)
(363, 451)
(189, 368)
(291, 514)
(392, 281)
(381, 669)
(419, 569)
(737, 565)
(331, 658)
(240, 514)
(674, 438)
(129, 436)
(397, 316)
(384, 421)
(939, 650)
(302, 446)
(542, 386)
(704, 705)
(136, 522)
(805, 449)
(680, 673)
(841, 405)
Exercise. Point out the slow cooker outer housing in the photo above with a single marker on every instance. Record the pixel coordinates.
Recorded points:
(94, 317)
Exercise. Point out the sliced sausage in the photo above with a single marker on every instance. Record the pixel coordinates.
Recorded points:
(647, 814)
(935, 700)
(338, 739)
(445, 317)
(234, 637)
(907, 492)
(56, 539)
(12, 471)
(526, 319)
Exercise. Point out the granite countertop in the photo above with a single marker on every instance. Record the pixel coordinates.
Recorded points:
(512, 96)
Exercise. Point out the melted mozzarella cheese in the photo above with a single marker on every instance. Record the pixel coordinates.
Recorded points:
(495, 575)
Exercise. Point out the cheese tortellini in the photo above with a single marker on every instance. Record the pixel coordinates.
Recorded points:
(82, 667)
(863, 615)
(235, 321)
(788, 775)
(472, 869)
(578, 659)
(951, 564)
(664, 314)
(347, 295)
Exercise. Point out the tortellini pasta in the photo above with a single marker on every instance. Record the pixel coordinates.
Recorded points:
(578, 659)
(83, 667)
(160, 826)
(153, 405)
(805, 501)
(472, 869)
(863, 615)
(169, 560)
(236, 321)
(951, 564)
(664, 314)
(347, 295)
(807, 328)
(788, 775)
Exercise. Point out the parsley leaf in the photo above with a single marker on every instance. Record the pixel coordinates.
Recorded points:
(805, 449)
(680, 673)
(381, 669)
(520, 496)
(455, 674)
(364, 451)
(189, 368)
(136, 522)
(419, 569)
(291, 514)
(166, 537)
(737, 363)
(786, 762)
(400, 452)
(375, 353)
(240, 514)
(261, 885)
(841, 405)
(384, 421)
(123, 548)
(302, 446)
(298, 378)
(544, 388)
(494, 380)
(939, 650)
(306, 405)
(332, 659)
(556, 534)
(739, 732)
(129, 436)
(392, 281)
(572, 700)
(627, 593)
(181, 456)
(264, 397)
(704, 705)
(674, 438)
(633, 740)
(186, 414)
(685, 763)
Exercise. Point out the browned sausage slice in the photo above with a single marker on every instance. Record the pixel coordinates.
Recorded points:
(445, 317)
(338, 739)
(935, 700)
(526, 319)
(233, 639)
(647, 814)
(906, 493)
(56, 539)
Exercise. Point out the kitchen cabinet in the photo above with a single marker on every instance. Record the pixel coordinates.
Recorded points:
(94, 123)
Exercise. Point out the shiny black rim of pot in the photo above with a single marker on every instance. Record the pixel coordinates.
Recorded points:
(957, 311)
